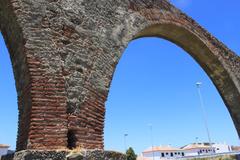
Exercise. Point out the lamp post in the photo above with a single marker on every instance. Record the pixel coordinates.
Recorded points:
(196, 140)
(151, 136)
(204, 114)
(125, 144)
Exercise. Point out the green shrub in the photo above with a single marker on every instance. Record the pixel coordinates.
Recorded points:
(131, 154)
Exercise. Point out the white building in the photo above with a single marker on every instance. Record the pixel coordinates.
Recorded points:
(190, 150)
(3, 149)
(162, 152)
(196, 149)
(222, 148)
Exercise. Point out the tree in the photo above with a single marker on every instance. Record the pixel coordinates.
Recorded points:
(131, 154)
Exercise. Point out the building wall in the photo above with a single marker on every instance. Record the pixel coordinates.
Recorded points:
(199, 151)
(167, 154)
(3, 151)
(193, 152)
(222, 148)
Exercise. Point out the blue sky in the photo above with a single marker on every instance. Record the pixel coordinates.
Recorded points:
(154, 83)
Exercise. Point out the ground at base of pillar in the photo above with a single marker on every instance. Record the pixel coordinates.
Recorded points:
(64, 155)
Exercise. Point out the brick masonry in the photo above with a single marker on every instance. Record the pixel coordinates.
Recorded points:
(64, 53)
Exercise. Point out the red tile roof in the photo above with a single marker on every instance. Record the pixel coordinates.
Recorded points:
(4, 146)
(162, 148)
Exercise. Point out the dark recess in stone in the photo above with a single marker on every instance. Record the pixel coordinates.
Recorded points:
(72, 139)
(70, 109)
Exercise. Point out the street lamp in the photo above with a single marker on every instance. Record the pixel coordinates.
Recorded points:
(151, 136)
(204, 114)
(125, 144)
(196, 140)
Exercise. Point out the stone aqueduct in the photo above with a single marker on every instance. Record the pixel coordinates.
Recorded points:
(64, 53)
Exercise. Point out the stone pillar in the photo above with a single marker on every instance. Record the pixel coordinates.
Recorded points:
(39, 78)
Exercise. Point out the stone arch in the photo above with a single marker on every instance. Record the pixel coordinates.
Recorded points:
(220, 63)
(161, 19)
(64, 54)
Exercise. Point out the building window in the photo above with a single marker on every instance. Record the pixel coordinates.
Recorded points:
(163, 155)
(171, 154)
(175, 153)
(182, 154)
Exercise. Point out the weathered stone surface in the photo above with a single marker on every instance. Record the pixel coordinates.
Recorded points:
(53, 155)
(97, 155)
(64, 53)
(37, 155)
(75, 157)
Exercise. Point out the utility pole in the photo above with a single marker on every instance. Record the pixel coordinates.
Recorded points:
(151, 137)
(125, 143)
(196, 140)
(204, 114)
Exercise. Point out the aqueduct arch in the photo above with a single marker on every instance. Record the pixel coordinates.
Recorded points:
(64, 54)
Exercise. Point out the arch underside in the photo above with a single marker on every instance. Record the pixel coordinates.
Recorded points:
(14, 40)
